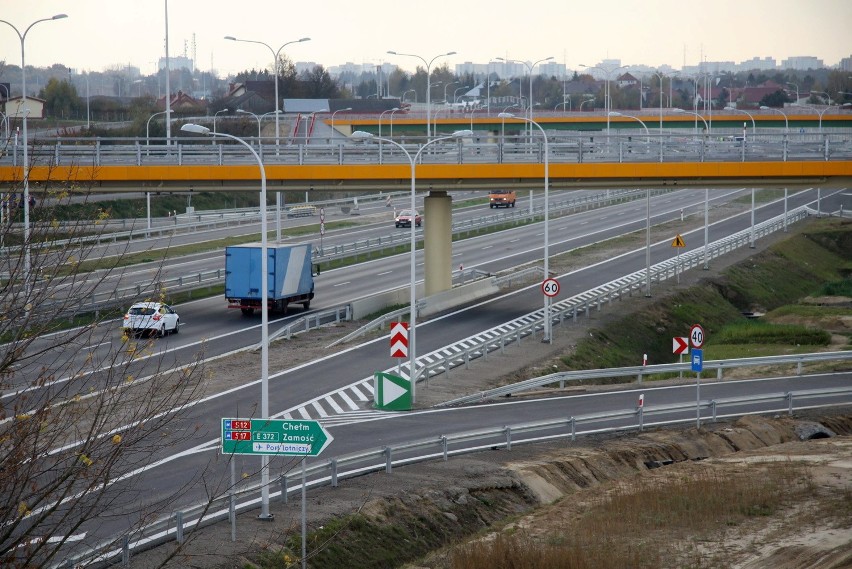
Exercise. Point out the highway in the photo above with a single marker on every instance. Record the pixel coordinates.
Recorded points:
(209, 325)
(290, 389)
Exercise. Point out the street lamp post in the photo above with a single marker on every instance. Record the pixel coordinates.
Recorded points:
(607, 99)
(26, 169)
(334, 113)
(827, 96)
(706, 193)
(380, 130)
(428, 83)
(264, 311)
(455, 99)
(402, 98)
(391, 122)
(276, 55)
(530, 68)
(548, 336)
(147, 126)
(216, 114)
(797, 91)
(412, 307)
(445, 90)
(736, 110)
(257, 118)
(783, 114)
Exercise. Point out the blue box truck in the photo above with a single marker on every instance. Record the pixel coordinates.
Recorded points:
(290, 278)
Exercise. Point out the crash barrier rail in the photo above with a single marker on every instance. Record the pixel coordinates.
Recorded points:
(312, 321)
(719, 145)
(176, 525)
(185, 283)
(570, 309)
(639, 372)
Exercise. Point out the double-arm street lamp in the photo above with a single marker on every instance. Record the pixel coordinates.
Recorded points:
(412, 336)
(26, 168)
(428, 83)
(607, 98)
(530, 68)
(276, 55)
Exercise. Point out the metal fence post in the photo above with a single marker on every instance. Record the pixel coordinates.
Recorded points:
(179, 527)
(333, 465)
(508, 437)
(573, 422)
(789, 396)
(713, 409)
(388, 465)
(125, 550)
(283, 481)
(641, 418)
(444, 446)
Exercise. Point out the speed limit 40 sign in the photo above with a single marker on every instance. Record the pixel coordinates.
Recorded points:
(550, 287)
(696, 336)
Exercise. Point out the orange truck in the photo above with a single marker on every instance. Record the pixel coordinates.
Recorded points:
(501, 198)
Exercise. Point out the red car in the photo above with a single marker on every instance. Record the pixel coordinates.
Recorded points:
(404, 217)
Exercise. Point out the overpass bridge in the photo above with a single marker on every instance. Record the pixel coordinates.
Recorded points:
(498, 153)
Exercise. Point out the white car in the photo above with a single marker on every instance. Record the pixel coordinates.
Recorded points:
(151, 317)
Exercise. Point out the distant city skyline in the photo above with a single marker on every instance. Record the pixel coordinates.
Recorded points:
(111, 34)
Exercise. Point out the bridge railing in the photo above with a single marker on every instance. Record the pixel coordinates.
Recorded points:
(483, 147)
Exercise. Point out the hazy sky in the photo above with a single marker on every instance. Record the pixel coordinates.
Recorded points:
(106, 33)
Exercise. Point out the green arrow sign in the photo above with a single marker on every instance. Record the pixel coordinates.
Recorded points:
(392, 393)
(272, 436)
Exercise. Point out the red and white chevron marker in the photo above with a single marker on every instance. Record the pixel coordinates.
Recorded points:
(399, 340)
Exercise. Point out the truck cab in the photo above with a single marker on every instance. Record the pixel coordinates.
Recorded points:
(501, 198)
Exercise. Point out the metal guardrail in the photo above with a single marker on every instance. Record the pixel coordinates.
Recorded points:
(642, 371)
(173, 526)
(311, 321)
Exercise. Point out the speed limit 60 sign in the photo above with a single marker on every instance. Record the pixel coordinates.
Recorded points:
(550, 287)
(696, 336)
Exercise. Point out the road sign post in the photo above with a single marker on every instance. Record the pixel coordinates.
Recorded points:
(274, 437)
(697, 366)
(679, 244)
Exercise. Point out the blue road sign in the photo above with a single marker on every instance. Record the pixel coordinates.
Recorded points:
(697, 360)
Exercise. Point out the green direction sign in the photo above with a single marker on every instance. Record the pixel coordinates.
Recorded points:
(272, 436)
(392, 393)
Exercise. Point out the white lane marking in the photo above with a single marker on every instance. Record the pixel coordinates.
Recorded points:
(94, 346)
(348, 400)
(514, 240)
(322, 412)
(330, 400)
(384, 273)
(343, 284)
(487, 247)
(305, 415)
(358, 394)
(584, 223)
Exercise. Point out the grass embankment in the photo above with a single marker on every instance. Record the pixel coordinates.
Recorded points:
(776, 282)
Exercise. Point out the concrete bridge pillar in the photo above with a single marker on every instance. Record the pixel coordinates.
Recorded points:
(438, 242)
